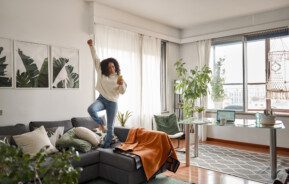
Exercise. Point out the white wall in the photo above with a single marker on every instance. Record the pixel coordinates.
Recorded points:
(234, 26)
(53, 22)
(67, 23)
(119, 19)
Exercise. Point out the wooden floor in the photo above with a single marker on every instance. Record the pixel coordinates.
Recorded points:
(198, 175)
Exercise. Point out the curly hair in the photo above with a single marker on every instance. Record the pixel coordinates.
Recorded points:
(104, 66)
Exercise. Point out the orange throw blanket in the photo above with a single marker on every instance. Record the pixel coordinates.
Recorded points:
(154, 148)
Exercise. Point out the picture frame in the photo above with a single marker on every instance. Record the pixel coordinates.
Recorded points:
(31, 62)
(6, 63)
(65, 68)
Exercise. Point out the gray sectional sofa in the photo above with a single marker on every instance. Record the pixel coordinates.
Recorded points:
(104, 163)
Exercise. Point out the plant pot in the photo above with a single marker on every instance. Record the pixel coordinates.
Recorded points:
(199, 115)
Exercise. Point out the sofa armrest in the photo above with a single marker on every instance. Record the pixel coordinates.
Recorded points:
(121, 133)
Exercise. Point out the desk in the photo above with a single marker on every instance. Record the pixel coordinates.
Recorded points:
(245, 123)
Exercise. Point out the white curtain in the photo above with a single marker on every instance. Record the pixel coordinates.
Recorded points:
(139, 60)
(203, 48)
(151, 63)
(124, 46)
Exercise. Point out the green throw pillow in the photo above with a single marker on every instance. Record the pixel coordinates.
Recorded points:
(167, 124)
(69, 140)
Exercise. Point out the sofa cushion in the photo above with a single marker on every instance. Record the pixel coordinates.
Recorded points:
(86, 122)
(86, 159)
(167, 123)
(8, 131)
(49, 124)
(118, 160)
(69, 140)
(121, 133)
(32, 142)
(54, 134)
(87, 135)
(13, 130)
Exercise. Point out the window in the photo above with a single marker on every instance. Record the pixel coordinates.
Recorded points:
(243, 67)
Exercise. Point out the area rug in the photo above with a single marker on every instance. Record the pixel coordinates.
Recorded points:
(244, 164)
(160, 179)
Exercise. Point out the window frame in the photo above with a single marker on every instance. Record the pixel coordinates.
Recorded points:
(243, 39)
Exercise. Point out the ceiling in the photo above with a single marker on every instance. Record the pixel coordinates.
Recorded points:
(186, 13)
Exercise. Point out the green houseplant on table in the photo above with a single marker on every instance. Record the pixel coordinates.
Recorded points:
(191, 85)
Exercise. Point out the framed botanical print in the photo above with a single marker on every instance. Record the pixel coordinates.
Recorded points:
(31, 65)
(6, 63)
(65, 68)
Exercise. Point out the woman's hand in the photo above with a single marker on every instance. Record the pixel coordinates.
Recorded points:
(90, 42)
(120, 80)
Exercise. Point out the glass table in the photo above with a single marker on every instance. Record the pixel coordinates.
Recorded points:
(244, 123)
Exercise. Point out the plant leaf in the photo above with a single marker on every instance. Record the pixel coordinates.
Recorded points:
(4, 81)
(73, 78)
(58, 64)
(23, 79)
(31, 68)
(43, 74)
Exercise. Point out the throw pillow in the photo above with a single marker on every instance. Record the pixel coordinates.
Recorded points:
(69, 140)
(167, 124)
(6, 139)
(32, 142)
(54, 134)
(87, 135)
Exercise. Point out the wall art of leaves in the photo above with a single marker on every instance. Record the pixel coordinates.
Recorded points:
(65, 67)
(6, 71)
(31, 65)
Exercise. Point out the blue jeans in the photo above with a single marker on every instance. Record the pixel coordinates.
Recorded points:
(111, 108)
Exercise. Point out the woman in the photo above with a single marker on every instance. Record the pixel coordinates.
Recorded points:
(109, 85)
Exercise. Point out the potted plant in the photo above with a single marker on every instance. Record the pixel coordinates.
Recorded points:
(123, 117)
(17, 167)
(199, 112)
(191, 85)
(218, 92)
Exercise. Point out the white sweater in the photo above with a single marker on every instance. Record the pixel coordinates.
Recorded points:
(107, 86)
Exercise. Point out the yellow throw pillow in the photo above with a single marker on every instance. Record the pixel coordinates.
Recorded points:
(32, 142)
(87, 135)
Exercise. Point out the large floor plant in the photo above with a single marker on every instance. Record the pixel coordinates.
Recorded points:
(191, 85)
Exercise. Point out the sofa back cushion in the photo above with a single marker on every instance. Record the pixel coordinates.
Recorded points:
(121, 133)
(8, 131)
(50, 124)
(86, 122)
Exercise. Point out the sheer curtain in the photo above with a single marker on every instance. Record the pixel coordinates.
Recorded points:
(139, 59)
(151, 96)
(203, 48)
(124, 46)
